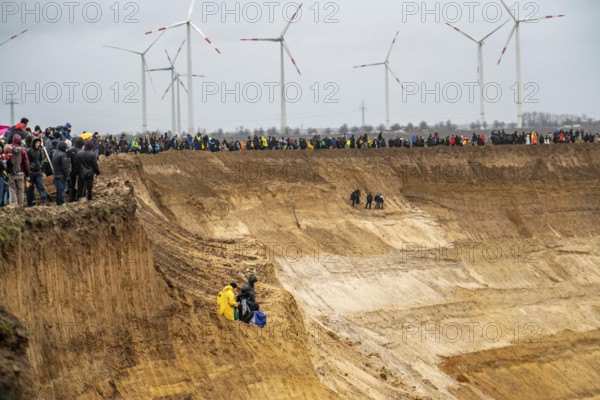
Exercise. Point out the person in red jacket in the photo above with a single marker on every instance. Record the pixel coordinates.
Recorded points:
(18, 166)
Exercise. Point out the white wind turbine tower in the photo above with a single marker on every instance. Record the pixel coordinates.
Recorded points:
(388, 70)
(13, 37)
(480, 44)
(175, 80)
(190, 25)
(174, 127)
(516, 29)
(144, 68)
(283, 47)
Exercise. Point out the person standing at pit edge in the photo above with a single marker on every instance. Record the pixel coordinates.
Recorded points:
(61, 165)
(226, 301)
(18, 167)
(36, 159)
(87, 165)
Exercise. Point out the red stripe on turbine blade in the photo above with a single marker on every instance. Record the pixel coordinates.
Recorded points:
(397, 80)
(13, 37)
(162, 29)
(208, 40)
(147, 33)
(218, 51)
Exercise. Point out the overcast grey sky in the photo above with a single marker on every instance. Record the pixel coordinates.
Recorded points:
(560, 60)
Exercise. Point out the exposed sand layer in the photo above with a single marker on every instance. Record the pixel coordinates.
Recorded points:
(479, 280)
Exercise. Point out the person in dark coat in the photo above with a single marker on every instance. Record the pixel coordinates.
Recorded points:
(36, 177)
(246, 300)
(245, 305)
(87, 165)
(61, 165)
(369, 204)
(250, 286)
(74, 177)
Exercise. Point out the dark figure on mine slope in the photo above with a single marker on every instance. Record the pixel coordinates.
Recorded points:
(369, 204)
(355, 197)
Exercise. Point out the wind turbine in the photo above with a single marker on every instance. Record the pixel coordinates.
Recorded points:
(190, 25)
(13, 37)
(144, 68)
(516, 29)
(283, 47)
(388, 70)
(174, 127)
(480, 44)
(175, 80)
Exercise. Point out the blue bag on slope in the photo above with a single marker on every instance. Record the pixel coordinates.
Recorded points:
(259, 319)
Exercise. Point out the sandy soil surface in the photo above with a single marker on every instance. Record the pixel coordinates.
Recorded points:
(479, 279)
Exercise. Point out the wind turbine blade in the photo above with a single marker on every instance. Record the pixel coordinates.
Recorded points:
(543, 18)
(260, 40)
(169, 88)
(392, 46)
(287, 50)
(194, 75)
(394, 75)
(169, 58)
(149, 75)
(291, 20)
(153, 43)
(178, 51)
(13, 37)
(369, 65)
(459, 31)
(507, 42)
(164, 28)
(119, 48)
(508, 9)
(205, 38)
(494, 31)
(158, 69)
(191, 10)
(182, 85)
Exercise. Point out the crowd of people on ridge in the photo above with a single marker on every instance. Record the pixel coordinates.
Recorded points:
(27, 155)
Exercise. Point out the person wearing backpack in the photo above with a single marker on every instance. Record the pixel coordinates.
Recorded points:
(18, 167)
(36, 157)
(246, 305)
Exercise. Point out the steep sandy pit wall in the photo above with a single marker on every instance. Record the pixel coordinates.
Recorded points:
(119, 303)
(82, 280)
(481, 254)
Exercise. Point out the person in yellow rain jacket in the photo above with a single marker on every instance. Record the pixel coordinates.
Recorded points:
(226, 302)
